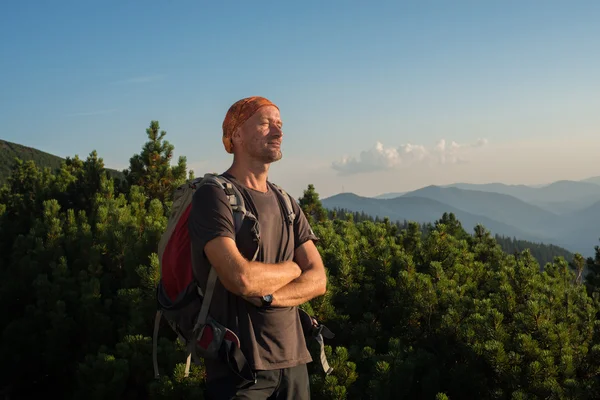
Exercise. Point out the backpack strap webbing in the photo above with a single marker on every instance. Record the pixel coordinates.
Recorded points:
(157, 319)
(317, 331)
(323, 331)
(236, 201)
(210, 288)
(287, 201)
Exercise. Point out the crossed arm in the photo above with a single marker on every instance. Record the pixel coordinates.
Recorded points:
(311, 283)
(291, 282)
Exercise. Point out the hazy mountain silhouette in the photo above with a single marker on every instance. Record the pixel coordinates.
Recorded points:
(559, 197)
(580, 230)
(499, 207)
(422, 209)
(392, 195)
(577, 231)
(594, 179)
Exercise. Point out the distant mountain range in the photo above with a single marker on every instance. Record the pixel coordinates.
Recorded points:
(558, 197)
(563, 213)
(594, 179)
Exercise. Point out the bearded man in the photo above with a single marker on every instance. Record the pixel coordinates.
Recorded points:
(258, 300)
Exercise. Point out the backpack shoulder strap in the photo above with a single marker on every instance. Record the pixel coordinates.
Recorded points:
(287, 201)
(236, 200)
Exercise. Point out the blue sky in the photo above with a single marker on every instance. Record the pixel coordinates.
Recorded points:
(373, 96)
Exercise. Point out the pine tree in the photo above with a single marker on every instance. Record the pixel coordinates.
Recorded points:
(311, 206)
(578, 265)
(452, 225)
(592, 279)
(152, 171)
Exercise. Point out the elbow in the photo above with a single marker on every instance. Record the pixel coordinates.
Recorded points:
(239, 281)
(238, 284)
(323, 289)
(322, 286)
(245, 286)
(318, 281)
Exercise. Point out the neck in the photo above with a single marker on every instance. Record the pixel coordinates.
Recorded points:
(253, 175)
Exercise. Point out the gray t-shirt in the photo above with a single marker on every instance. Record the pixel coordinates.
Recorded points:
(271, 338)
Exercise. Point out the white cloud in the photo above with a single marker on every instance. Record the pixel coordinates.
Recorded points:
(380, 158)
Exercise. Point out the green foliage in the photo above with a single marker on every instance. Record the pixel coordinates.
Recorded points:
(152, 170)
(592, 279)
(9, 152)
(446, 316)
(543, 253)
(312, 207)
(419, 311)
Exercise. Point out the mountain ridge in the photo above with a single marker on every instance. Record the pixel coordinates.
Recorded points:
(420, 209)
(576, 231)
(559, 197)
(10, 150)
(500, 207)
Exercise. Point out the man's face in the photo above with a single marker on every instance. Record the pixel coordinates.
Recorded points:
(260, 136)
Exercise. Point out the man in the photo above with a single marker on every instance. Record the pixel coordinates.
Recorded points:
(288, 265)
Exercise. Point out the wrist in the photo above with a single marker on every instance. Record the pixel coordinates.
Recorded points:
(267, 300)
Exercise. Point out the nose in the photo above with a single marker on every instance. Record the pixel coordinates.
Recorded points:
(277, 131)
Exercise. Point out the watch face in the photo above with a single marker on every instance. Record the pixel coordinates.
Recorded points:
(268, 298)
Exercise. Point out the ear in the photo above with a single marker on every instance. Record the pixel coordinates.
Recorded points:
(237, 135)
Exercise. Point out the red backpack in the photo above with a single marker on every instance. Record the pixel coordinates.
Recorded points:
(183, 303)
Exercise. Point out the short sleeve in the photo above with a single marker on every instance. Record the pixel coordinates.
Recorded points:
(210, 216)
(302, 229)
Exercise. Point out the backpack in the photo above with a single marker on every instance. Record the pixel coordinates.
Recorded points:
(184, 305)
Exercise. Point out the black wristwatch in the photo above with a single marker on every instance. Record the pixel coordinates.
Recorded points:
(267, 300)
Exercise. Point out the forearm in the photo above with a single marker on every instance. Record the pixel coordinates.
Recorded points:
(260, 279)
(312, 283)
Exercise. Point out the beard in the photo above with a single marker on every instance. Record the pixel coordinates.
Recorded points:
(270, 155)
(262, 151)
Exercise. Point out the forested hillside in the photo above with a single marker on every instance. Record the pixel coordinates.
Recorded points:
(9, 151)
(439, 313)
(543, 253)
(577, 230)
